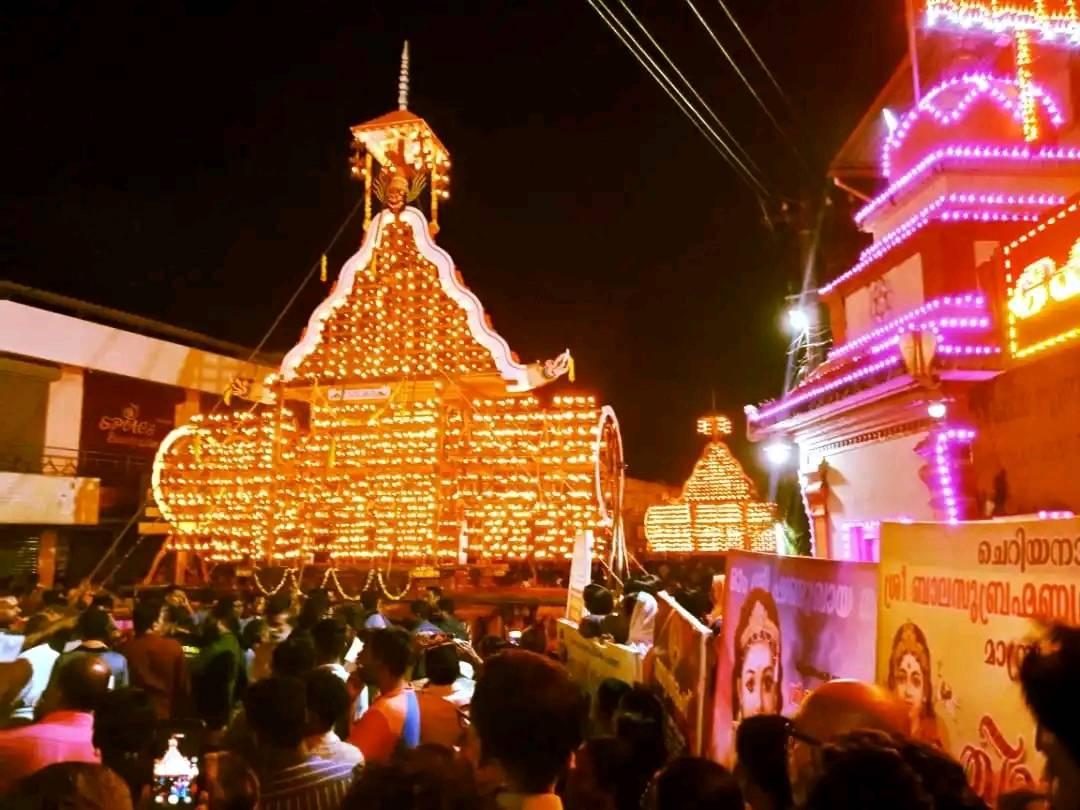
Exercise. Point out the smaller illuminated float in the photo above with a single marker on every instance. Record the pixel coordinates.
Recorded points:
(401, 426)
(718, 509)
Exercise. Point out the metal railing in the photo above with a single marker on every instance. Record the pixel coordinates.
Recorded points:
(69, 461)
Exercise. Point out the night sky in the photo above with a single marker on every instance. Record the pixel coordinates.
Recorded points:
(188, 162)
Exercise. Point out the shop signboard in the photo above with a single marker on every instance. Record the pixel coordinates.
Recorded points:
(1042, 276)
(126, 416)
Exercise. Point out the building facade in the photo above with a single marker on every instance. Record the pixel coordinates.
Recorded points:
(945, 394)
(88, 394)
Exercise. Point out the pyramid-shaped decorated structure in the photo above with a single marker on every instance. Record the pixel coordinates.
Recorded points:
(401, 426)
(718, 509)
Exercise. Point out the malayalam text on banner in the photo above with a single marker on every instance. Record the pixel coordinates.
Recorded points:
(790, 624)
(590, 660)
(957, 605)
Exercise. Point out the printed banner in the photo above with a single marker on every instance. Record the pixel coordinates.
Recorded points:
(954, 623)
(678, 668)
(590, 661)
(580, 576)
(790, 624)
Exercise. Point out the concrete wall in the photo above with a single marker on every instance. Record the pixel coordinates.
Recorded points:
(24, 395)
(67, 341)
(1028, 427)
(872, 482)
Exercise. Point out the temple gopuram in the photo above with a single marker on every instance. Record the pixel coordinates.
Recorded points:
(401, 427)
(947, 392)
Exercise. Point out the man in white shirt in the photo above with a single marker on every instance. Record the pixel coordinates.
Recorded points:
(331, 638)
(327, 705)
(42, 658)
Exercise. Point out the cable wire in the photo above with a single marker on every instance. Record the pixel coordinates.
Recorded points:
(249, 361)
(684, 105)
(315, 268)
(739, 72)
(753, 50)
(690, 86)
(669, 86)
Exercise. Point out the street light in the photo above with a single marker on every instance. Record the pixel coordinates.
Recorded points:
(891, 121)
(937, 410)
(798, 320)
(777, 452)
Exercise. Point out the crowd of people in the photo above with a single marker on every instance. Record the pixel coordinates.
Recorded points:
(289, 702)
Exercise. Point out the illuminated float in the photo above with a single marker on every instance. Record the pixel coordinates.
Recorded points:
(926, 407)
(718, 509)
(401, 426)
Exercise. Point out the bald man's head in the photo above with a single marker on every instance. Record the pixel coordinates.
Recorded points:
(839, 707)
(832, 710)
(82, 682)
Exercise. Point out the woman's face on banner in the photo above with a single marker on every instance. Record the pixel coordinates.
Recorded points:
(910, 683)
(757, 684)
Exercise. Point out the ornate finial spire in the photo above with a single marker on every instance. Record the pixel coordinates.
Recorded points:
(714, 425)
(403, 79)
(401, 143)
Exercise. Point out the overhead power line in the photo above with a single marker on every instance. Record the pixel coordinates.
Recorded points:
(685, 106)
(251, 359)
(735, 66)
(753, 50)
(690, 86)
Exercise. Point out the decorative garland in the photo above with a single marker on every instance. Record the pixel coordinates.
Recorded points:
(284, 577)
(374, 579)
(331, 574)
(386, 591)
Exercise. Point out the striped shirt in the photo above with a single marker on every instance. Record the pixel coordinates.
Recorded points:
(314, 784)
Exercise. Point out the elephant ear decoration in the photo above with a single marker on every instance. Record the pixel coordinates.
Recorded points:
(417, 186)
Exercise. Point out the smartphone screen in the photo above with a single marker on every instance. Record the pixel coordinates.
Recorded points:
(175, 774)
(178, 791)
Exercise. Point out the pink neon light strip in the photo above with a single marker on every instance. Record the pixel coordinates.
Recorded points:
(815, 390)
(971, 300)
(910, 227)
(945, 462)
(935, 325)
(979, 351)
(982, 85)
(970, 152)
(954, 350)
(998, 21)
(911, 321)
